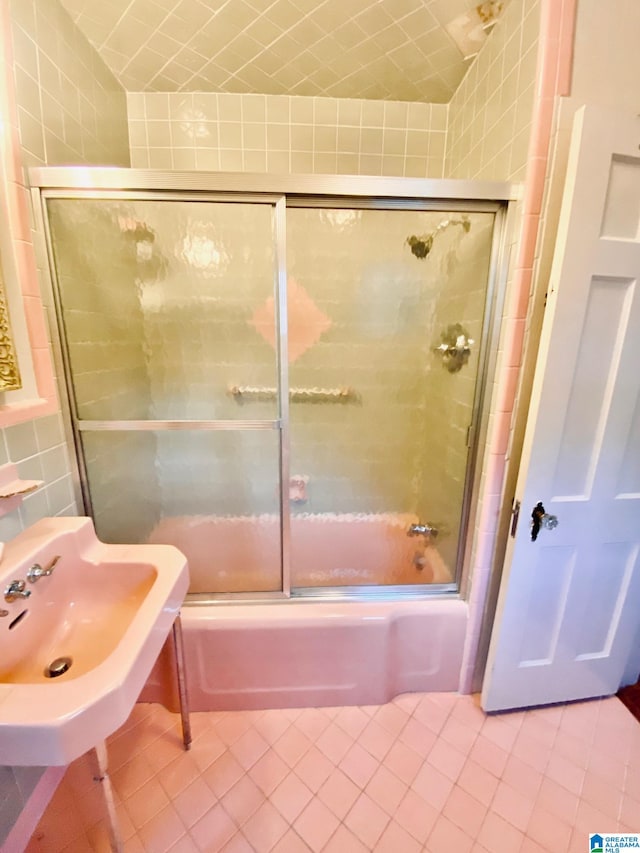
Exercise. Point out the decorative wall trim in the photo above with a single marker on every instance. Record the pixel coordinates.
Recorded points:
(10, 379)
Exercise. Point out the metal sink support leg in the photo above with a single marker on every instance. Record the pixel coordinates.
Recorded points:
(181, 676)
(99, 753)
(100, 774)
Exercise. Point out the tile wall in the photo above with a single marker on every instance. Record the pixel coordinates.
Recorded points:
(70, 110)
(491, 112)
(278, 133)
(312, 47)
(491, 120)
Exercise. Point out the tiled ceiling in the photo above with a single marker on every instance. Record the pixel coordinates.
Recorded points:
(383, 49)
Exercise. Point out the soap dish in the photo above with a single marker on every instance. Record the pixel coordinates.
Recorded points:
(12, 488)
(19, 487)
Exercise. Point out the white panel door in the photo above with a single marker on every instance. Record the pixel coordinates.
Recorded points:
(569, 602)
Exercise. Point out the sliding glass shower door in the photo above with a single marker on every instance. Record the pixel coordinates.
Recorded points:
(285, 389)
(380, 442)
(157, 302)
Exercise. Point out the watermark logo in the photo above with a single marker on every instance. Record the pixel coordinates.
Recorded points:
(613, 843)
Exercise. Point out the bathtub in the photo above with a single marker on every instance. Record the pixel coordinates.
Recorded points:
(300, 652)
(293, 654)
(242, 553)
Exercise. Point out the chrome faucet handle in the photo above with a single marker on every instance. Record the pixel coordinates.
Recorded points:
(422, 530)
(36, 571)
(16, 589)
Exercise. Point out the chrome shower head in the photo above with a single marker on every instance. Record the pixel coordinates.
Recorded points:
(421, 246)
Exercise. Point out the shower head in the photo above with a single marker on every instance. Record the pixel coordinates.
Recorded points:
(421, 246)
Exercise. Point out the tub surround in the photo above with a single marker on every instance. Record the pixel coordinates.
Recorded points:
(283, 134)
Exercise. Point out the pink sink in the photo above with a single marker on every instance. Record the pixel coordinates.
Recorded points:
(106, 610)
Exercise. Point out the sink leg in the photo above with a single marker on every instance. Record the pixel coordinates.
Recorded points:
(100, 774)
(181, 675)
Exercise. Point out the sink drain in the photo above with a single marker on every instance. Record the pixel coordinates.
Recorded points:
(57, 667)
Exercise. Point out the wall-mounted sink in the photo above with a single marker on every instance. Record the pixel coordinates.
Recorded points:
(99, 620)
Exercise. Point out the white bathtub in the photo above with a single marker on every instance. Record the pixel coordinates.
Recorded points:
(294, 653)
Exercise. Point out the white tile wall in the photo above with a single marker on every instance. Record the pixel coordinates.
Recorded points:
(491, 111)
(278, 133)
(71, 108)
(39, 449)
(390, 49)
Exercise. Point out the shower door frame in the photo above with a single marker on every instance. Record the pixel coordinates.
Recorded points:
(279, 192)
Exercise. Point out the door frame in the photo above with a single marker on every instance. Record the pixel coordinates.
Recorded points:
(296, 191)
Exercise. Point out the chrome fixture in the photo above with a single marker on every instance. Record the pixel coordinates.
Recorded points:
(419, 561)
(421, 246)
(455, 348)
(36, 571)
(422, 530)
(181, 677)
(16, 589)
(541, 520)
(58, 667)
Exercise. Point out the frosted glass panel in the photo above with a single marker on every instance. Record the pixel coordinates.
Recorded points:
(169, 314)
(382, 443)
(166, 305)
(214, 495)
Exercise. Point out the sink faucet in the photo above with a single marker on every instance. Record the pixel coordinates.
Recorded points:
(36, 571)
(16, 589)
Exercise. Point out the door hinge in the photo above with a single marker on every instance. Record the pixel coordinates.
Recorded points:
(515, 515)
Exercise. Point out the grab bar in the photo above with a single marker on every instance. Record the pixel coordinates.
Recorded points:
(297, 395)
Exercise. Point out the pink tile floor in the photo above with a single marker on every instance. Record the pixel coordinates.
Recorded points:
(426, 772)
